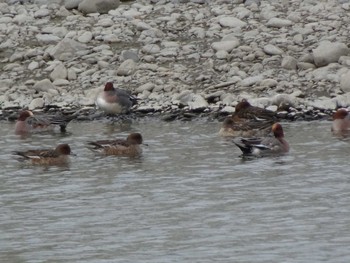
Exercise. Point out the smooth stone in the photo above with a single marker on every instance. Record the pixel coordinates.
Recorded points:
(145, 87)
(221, 54)
(323, 103)
(345, 81)
(328, 52)
(250, 81)
(85, 37)
(279, 22)
(36, 103)
(47, 38)
(227, 45)
(33, 65)
(59, 72)
(272, 50)
(98, 6)
(229, 21)
(61, 82)
(305, 65)
(269, 83)
(288, 62)
(42, 13)
(129, 54)
(284, 99)
(151, 49)
(72, 4)
(43, 85)
(67, 49)
(127, 68)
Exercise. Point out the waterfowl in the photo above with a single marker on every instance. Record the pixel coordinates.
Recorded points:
(57, 156)
(114, 100)
(266, 145)
(246, 111)
(236, 127)
(120, 147)
(341, 122)
(27, 122)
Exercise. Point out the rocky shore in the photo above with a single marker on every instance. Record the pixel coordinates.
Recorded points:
(181, 58)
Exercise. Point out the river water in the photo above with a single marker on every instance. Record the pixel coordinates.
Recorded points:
(188, 198)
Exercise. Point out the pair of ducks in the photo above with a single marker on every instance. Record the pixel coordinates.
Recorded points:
(254, 124)
(110, 100)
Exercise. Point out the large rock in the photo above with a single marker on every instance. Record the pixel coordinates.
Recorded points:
(328, 52)
(70, 4)
(345, 82)
(229, 21)
(98, 6)
(127, 68)
(68, 49)
(227, 45)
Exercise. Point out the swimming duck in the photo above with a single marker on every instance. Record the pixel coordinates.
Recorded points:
(237, 127)
(266, 145)
(57, 156)
(341, 122)
(27, 122)
(120, 147)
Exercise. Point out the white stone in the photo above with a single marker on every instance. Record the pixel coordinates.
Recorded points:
(229, 21)
(67, 49)
(221, 54)
(42, 13)
(250, 81)
(345, 82)
(33, 65)
(59, 72)
(85, 37)
(227, 45)
(328, 52)
(47, 38)
(323, 103)
(288, 62)
(279, 22)
(98, 6)
(272, 50)
(151, 49)
(126, 68)
(43, 85)
(36, 103)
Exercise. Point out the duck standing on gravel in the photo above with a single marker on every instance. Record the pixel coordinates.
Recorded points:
(114, 100)
(264, 146)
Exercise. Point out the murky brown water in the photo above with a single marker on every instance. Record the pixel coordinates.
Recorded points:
(189, 198)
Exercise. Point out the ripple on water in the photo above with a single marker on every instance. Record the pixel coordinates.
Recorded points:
(189, 198)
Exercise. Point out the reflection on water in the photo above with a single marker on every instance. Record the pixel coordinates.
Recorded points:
(188, 198)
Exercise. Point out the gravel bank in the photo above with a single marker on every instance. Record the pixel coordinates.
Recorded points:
(180, 58)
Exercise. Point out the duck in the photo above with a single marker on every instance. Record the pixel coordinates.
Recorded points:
(259, 147)
(27, 122)
(119, 147)
(236, 127)
(245, 110)
(57, 156)
(341, 122)
(114, 100)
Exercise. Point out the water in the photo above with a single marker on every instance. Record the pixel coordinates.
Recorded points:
(189, 198)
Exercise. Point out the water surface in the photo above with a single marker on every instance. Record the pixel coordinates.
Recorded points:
(188, 198)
